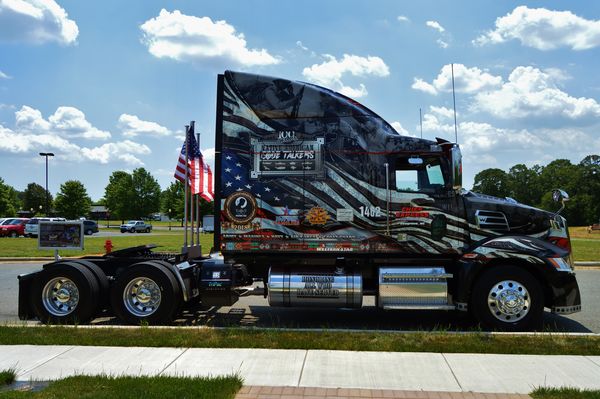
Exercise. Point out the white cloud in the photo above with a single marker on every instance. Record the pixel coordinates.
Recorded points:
(36, 21)
(403, 18)
(444, 112)
(421, 85)
(4, 76)
(442, 43)
(302, 46)
(531, 92)
(401, 130)
(189, 38)
(125, 151)
(435, 25)
(208, 154)
(68, 122)
(330, 72)
(133, 126)
(33, 133)
(544, 29)
(466, 80)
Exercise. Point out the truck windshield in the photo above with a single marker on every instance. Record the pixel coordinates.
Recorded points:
(427, 176)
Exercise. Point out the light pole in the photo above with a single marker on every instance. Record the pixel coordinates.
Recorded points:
(47, 154)
(169, 219)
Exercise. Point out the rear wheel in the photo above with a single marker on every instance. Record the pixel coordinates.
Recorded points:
(89, 232)
(148, 230)
(508, 298)
(13, 234)
(146, 292)
(65, 293)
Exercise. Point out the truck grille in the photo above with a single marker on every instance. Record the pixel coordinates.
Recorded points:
(492, 220)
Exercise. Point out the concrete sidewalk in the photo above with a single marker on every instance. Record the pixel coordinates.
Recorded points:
(401, 371)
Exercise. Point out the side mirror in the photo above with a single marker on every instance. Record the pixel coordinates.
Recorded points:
(562, 196)
(559, 195)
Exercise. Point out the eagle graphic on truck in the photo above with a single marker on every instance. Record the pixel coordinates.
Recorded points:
(324, 202)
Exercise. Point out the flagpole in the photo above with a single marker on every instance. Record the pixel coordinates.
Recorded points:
(192, 195)
(198, 219)
(185, 195)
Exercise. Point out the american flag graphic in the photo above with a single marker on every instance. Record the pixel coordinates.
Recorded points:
(200, 175)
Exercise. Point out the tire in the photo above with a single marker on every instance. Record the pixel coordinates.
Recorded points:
(103, 285)
(508, 298)
(89, 232)
(13, 234)
(148, 230)
(67, 279)
(162, 294)
(132, 230)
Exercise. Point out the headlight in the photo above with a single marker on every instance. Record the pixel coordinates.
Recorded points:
(562, 264)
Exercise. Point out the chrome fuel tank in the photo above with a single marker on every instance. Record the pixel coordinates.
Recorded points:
(335, 288)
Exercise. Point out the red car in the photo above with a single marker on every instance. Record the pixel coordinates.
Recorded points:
(14, 228)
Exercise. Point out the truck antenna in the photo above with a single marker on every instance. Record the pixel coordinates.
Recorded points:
(454, 103)
(421, 121)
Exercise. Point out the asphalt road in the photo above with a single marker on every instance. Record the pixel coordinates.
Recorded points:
(254, 311)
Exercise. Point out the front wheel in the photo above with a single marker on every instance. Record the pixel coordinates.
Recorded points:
(508, 298)
(132, 230)
(89, 232)
(13, 234)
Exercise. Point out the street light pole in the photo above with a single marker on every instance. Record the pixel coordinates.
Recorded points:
(169, 219)
(47, 154)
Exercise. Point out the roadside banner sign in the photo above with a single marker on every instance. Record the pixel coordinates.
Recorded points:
(60, 235)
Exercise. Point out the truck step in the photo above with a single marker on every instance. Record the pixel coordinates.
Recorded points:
(422, 287)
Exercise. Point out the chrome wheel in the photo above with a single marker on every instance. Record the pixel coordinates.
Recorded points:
(509, 301)
(142, 296)
(60, 296)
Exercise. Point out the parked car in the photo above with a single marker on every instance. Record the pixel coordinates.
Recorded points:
(6, 221)
(136, 226)
(15, 228)
(32, 228)
(90, 227)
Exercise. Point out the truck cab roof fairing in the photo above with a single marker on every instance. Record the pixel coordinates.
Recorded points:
(291, 105)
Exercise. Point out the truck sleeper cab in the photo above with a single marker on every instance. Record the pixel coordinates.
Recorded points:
(323, 201)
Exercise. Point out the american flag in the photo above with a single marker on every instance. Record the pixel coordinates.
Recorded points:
(199, 172)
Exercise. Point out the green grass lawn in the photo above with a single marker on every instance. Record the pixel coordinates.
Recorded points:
(168, 242)
(7, 377)
(135, 387)
(235, 337)
(564, 393)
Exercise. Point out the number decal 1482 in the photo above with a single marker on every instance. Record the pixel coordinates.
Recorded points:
(370, 211)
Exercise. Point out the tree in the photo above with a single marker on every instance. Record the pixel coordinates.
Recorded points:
(119, 195)
(146, 193)
(7, 205)
(492, 182)
(524, 184)
(35, 196)
(72, 201)
(172, 199)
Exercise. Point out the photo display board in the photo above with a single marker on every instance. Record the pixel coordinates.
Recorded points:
(60, 235)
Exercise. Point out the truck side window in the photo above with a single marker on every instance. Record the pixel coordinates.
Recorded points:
(416, 174)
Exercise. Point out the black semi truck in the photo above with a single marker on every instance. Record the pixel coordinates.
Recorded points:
(324, 202)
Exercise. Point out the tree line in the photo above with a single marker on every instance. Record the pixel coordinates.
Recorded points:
(133, 195)
(533, 186)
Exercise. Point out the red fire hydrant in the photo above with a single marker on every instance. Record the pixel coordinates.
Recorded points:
(108, 246)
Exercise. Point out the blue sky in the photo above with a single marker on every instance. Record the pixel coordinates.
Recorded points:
(109, 85)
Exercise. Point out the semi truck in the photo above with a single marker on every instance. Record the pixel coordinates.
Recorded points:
(320, 201)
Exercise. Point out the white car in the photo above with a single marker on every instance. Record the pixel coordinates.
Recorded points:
(32, 227)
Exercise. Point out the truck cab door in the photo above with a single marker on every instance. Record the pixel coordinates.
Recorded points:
(426, 213)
